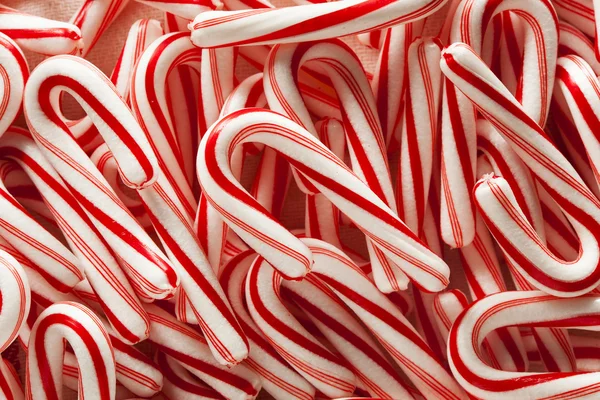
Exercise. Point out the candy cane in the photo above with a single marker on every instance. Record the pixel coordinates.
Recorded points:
(579, 13)
(190, 349)
(364, 136)
(547, 164)
(16, 299)
(348, 337)
(183, 89)
(573, 41)
(448, 305)
(134, 370)
(324, 370)
(321, 217)
(277, 377)
(458, 121)
(579, 85)
(14, 72)
(389, 79)
(180, 384)
(327, 174)
(304, 23)
(59, 267)
(10, 385)
(183, 8)
(419, 131)
(149, 104)
(77, 325)
(152, 275)
(40, 35)
(94, 17)
(531, 308)
(140, 35)
(119, 303)
(393, 331)
(104, 160)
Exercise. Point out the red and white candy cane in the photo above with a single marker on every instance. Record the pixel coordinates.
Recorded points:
(419, 131)
(311, 359)
(150, 105)
(189, 348)
(305, 23)
(573, 41)
(389, 79)
(363, 130)
(16, 300)
(448, 305)
(180, 384)
(105, 162)
(579, 13)
(525, 308)
(75, 324)
(390, 327)
(134, 370)
(496, 201)
(471, 21)
(328, 174)
(54, 261)
(38, 34)
(581, 90)
(183, 8)
(152, 275)
(10, 385)
(277, 377)
(140, 35)
(14, 72)
(119, 302)
(94, 17)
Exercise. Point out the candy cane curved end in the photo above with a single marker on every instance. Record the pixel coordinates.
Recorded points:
(77, 325)
(531, 308)
(15, 299)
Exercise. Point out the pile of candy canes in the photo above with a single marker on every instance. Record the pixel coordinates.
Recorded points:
(142, 253)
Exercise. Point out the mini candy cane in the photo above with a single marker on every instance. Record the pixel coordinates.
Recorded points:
(311, 359)
(152, 274)
(54, 261)
(494, 196)
(389, 80)
(103, 159)
(277, 377)
(189, 348)
(14, 72)
(10, 385)
(579, 13)
(573, 41)
(394, 332)
(119, 303)
(180, 384)
(73, 323)
(93, 17)
(530, 308)
(363, 130)
(458, 122)
(448, 305)
(327, 174)
(579, 85)
(16, 299)
(419, 131)
(305, 23)
(140, 35)
(40, 35)
(149, 104)
(347, 336)
(183, 8)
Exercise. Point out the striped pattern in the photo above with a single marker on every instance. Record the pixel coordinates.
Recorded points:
(306, 22)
